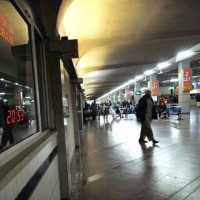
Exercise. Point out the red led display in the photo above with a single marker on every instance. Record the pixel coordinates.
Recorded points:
(6, 30)
(14, 116)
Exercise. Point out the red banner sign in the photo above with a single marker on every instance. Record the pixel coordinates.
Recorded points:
(187, 80)
(154, 88)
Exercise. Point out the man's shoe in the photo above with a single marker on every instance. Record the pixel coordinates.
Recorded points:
(144, 141)
(155, 141)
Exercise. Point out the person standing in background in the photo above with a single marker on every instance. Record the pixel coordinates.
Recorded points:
(7, 127)
(146, 111)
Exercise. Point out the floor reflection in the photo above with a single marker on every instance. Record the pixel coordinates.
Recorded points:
(117, 166)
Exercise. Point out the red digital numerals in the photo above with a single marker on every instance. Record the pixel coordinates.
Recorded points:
(15, 116)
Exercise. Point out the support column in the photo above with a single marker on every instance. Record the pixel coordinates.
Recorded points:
(116, 98)
(183, 97)
(127, 91)
(75, 117)
(80, 111)
(121, 97)
(56, 89)
(136, 90)
(113, 98)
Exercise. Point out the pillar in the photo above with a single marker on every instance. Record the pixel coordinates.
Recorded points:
(121, 97)
(75, 117)
(80, 110)
(136, 90)
(116, 97)
(183, 97)
(56, 89)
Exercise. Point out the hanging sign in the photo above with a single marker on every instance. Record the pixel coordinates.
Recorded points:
(187, 80)
(154, 88)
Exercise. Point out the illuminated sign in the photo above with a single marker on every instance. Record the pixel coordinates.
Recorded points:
(171, 87)
(14, 116)
(154, 88)
(6, 30)
(187, 80)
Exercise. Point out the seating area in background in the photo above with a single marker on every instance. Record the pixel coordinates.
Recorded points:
(127, 111)
(172, 110)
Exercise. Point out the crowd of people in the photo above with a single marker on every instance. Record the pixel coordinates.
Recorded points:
(146, 110)
(105, 109)
(118, 109)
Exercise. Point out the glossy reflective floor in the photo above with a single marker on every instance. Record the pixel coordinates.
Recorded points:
(116, 166)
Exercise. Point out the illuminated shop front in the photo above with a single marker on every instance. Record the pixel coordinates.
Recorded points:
(17, 90)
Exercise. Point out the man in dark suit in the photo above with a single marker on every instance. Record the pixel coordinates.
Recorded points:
(145, 113)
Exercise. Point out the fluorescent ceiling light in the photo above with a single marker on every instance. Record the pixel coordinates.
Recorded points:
(132, 81)
(184, 54)
(196, 76)
(174, 80)
(120, 87)
(144, 88)
(125, 84)
(149, 72)
(139, 77)
(163, 65)
(112, 91)
(2, 93)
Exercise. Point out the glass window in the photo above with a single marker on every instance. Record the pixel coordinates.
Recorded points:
(17, 94)
(41, 81)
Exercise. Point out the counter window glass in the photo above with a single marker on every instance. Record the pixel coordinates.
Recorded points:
(41, 81)
(17, 94)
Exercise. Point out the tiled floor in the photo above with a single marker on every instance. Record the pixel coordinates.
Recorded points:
(116, 167)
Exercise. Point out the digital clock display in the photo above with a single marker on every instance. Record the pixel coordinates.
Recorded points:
(14, 116)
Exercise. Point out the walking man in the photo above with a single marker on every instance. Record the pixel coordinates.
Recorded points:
(145, 113)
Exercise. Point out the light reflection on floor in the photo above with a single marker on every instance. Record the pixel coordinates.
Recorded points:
(116, 166)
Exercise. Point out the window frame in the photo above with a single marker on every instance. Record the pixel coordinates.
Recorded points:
(24, 143)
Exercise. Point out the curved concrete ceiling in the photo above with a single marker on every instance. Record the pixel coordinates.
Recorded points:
(121, 39)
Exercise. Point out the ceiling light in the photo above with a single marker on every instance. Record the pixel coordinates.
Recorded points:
(144, 88)
(132, 81)
(149, 72)
(163, 65)
(139, 77)
(174, 80)
(125, 84)
(184, 54)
